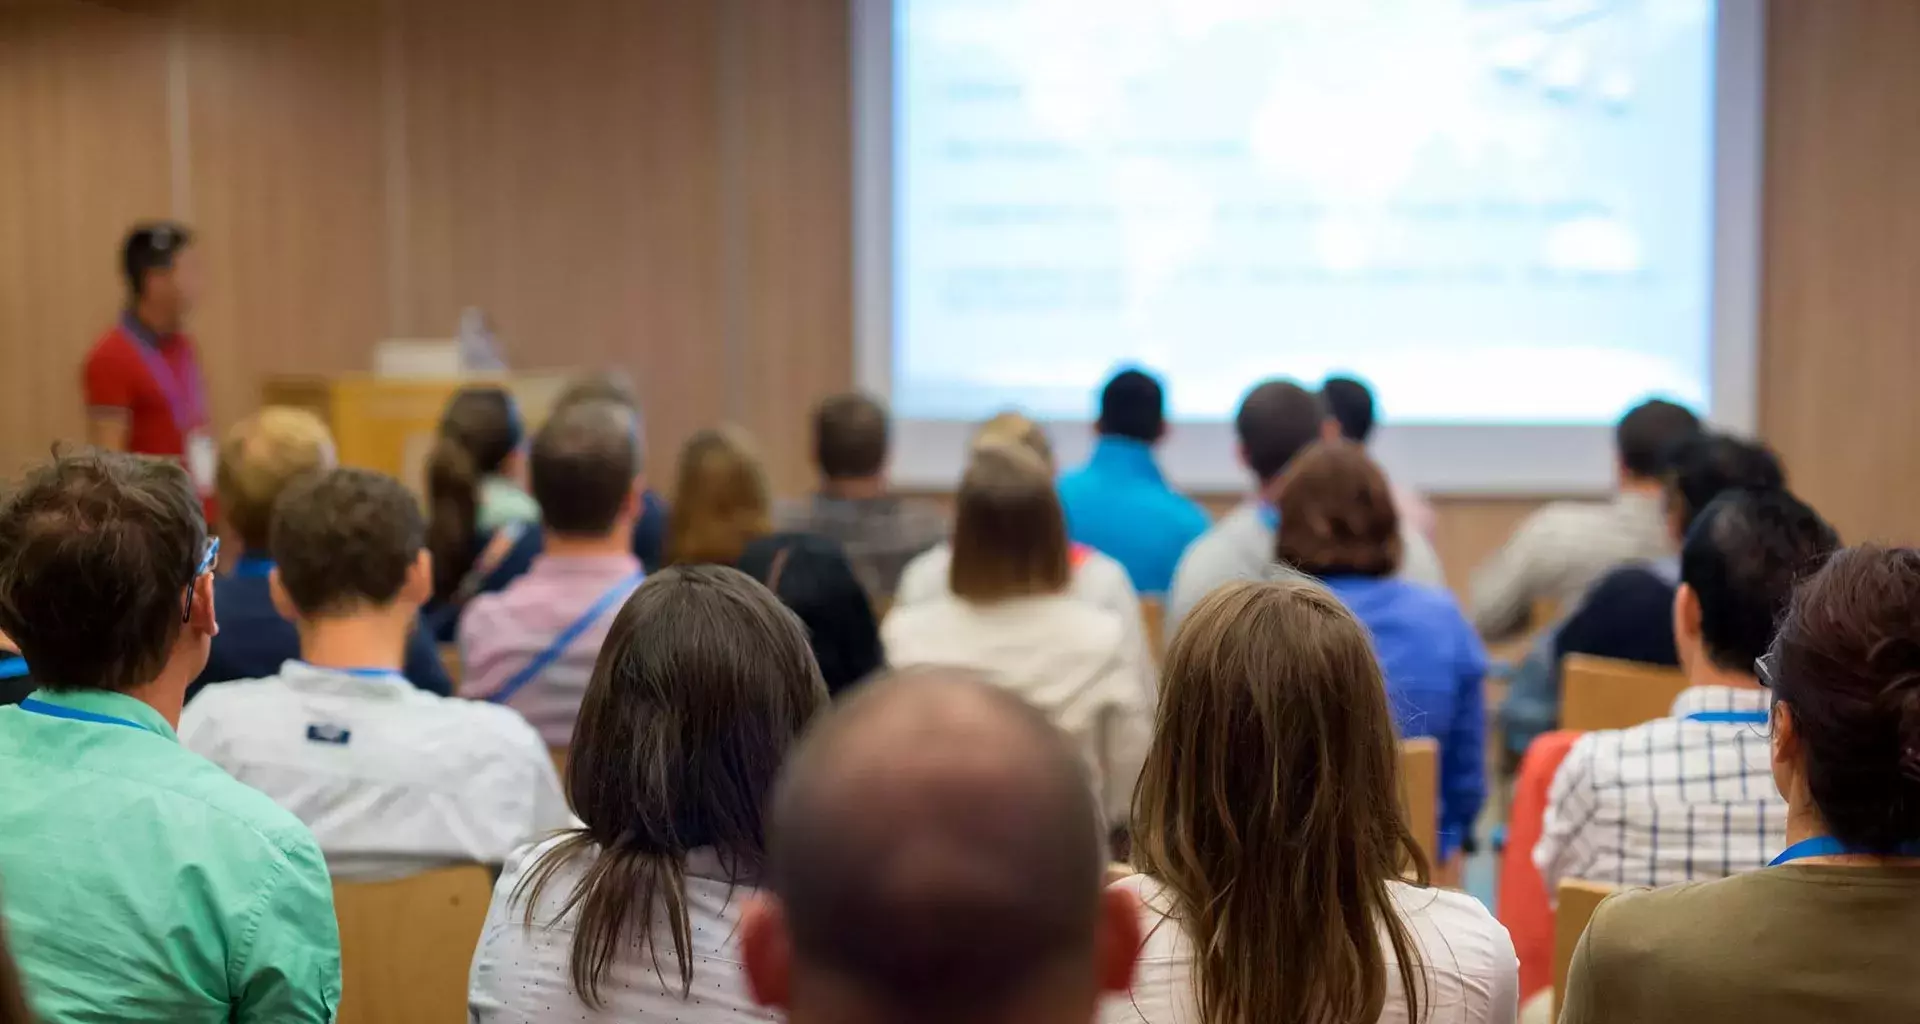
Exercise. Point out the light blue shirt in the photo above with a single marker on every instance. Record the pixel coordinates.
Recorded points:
(1120, 505)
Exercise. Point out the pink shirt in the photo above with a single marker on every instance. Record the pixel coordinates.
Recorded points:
(501, 633)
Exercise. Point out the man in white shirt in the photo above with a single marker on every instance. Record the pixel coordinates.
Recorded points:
(390, 779)
(1560, 550)
(1691, 797)
(934, 854)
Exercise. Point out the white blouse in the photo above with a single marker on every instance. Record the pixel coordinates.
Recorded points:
(1472, 974)
(521, 974)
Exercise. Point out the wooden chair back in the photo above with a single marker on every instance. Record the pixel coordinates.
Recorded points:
(450, 660)
(1578, 901)
(1420, 793)
(406, 945)
(1604, 693)
(559, 755)
(1153, 618)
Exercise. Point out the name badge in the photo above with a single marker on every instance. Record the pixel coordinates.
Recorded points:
(203, 460)
(324, 733)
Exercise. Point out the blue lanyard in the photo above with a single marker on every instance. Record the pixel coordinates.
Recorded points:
(13, 667)
(1828, 846)
(566, 638)
(183, 399)
(1730, 717)
(40, 707)
(249, 567)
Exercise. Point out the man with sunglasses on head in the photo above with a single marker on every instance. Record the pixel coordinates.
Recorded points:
(144, 391)
(142, 882)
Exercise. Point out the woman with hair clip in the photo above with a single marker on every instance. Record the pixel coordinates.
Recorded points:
(1825, 933)
(703, 685)
(476, 508)
(1270, 841)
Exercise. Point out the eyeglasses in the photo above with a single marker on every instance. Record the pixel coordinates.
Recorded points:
(206, 565)
(1763, 669)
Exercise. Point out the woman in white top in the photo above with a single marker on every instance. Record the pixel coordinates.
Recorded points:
(1010, 617)
(704, 683)
(1271, 844)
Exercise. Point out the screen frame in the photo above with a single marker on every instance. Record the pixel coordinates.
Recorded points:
(1465, 460)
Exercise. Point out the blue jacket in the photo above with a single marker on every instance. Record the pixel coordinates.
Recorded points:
(1120, 505)
(254, 639)
(1435, 668)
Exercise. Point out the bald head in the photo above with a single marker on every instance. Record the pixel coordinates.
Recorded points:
(936, 854)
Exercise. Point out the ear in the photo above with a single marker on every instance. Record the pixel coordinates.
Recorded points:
(767, 951)
(1785, 744)
(203, 620)
(1686, 620)
(635, 504)
(282, 601)
(418, 587)
(1117, 946)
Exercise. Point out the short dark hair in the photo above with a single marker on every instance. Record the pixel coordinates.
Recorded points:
(811, 576)
(1648, 433)
(1133, 405)
(1847, 664)
(583, 465)
(850, 436)
(1336, 514)
(96, 550)
(1351, 403)
(1741, 558)
(345, 539)
(149, 247)
(1276, 420)
(1703, 466)
(612, 385)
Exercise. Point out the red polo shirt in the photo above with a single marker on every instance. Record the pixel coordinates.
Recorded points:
(156, 383)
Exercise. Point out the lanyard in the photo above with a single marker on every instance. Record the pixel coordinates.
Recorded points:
(13, 667)
(40, 707)
(566, 638)
(183, 398)
(1828, 846)
(1730, 717)
(249, 567)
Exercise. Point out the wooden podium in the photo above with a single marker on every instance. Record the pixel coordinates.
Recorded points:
(389, 423)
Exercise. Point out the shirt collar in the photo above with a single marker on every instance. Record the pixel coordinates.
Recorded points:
(1697, 699)
(1124, 456)
(300, 674)
(139, 331)
(606, 566)
(111, 704)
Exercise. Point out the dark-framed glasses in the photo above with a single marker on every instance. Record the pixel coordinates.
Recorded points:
(206, 566)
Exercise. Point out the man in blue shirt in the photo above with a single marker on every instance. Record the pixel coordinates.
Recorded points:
(1118, 503)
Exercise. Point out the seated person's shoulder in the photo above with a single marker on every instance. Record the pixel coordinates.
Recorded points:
(1649, 925)
(925, 577)
(213, 800)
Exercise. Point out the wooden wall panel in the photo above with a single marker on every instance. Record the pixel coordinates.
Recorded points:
(1841, 311)
(83, 154)
(561, 170)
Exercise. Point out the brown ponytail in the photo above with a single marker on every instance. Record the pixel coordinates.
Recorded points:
(479, 430)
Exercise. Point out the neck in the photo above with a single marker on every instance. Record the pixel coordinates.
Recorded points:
(167, 694)
(153, 319)
(862, 488)
(1804, 823)
(1702, 671)
(618, 541)
(1644, 487)
(376, 639)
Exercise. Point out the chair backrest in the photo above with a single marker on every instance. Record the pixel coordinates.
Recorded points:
(1153, 618)
(406, 945)
(1604, 693)
(559, 755)
(450, 660)
(1420, 793)
(1578, 900)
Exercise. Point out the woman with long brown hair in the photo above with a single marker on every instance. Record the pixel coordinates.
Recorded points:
(721, 500)
(1270, 841)
(703, 685)
(476, 504)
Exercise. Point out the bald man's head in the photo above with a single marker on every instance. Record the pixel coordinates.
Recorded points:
(935, 854)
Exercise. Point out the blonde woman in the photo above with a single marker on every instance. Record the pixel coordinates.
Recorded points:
(1011, 615)
(1270, 841)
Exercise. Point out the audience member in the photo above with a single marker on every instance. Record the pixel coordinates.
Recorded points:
(1628, 614)
(1118, 502)
(1337, 523)
(1822, 933)
(1350, 402)
(722, 500)
(1277, 420)
(1687, 798)
(1272, 849)
(390, 780)
(933, 856)
(703, 685)
(1560, 550)
(1012, 617)
(879, 531)
(16, 680)
(650, 530)
(141, 881)
(532, 645)
(260, 457)
(477, 510)
(810, 575)
(1097, 578)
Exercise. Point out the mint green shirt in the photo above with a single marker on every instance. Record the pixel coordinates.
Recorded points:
(142, 883)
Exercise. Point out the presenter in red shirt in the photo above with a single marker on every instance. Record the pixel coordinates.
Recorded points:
(142, 380)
